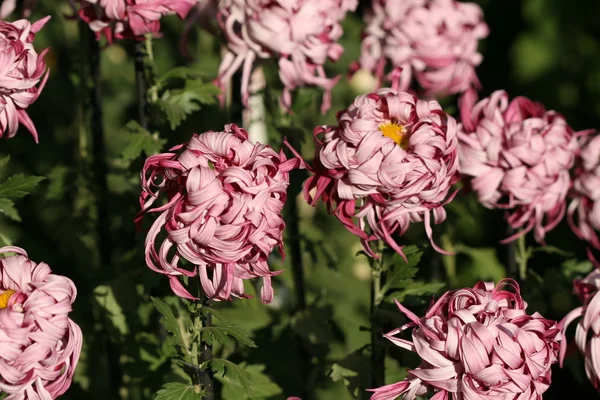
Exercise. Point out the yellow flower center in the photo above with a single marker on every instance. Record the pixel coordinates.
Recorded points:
(4, 297)
(396, 132)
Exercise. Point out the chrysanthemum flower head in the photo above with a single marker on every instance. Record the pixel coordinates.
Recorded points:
(23, 74)
(130, 19)
(390, 161)
(477, 343)
(433, 41)
(584, 210)
(517, 156)
(39, 344)
(301, 35)
(587, 333)
(224, 197)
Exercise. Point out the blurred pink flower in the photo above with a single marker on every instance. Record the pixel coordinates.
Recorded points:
(390, 161)
(434, 41)
(23, 74)
(130, 19)
(584, 210)
(8, 6)
(39, 344)
(587, 334)
(223, 212)
(517, 157)
(302, 35)
(477, 344)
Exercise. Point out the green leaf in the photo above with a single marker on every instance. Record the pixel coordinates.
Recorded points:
(262, 386)
(552, 250)
(4, 161)
(180, 73)
(57, 187)
(484, 264)
(179, 103)
(352, 371)
(399, 279)
(314, 324)
(224, 329)
(170, 323)
(233, 372)
(18, 186)
(416, 288)
(140, 140)
(111, 309)
(7, 207)
(179, 391)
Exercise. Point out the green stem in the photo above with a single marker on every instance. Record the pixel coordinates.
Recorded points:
(204, 376)
(377, 340)
(522, 257)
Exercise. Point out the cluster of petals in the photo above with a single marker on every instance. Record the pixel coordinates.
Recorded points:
(587, 333)
(301, 34)
(433, 41)
(39, 344)
(224, 197)
(477, 343)
(130, 19)
(517, 156)
(390, 161)
(23, 75)
(584, 209)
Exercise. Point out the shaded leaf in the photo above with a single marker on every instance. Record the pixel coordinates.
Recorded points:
(353, 371)
(111, 309)
(170, 323)
(3, 162)
(57, 177)
(19, 185)
(179, 103)
(224, 329)
(233, 372)
(7, 207)
(181, 72)
(262, 386)
(179, 391)
(140, 140)
(314, 323)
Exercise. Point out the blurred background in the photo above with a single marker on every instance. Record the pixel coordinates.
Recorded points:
(547, 50)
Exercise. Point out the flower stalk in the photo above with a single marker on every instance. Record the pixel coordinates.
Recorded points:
(206, 353)
(377, 339)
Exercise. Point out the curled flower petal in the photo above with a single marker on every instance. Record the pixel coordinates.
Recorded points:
(478, 344)
(130, 19)
(39, 344)
(517, 156)
(302, 35)
(222, 212)
(23, 75)
(588, 327)
(389, 162)
(433, 41)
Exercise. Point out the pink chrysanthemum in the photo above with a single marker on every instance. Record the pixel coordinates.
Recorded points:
(587, 334)
(584, 210)
(517, 157)
(223, 212)
(130, 19)
(39, 344)
(390, 161)
(477, 344)
(302, 35)
(23, 75)
(434, 41)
